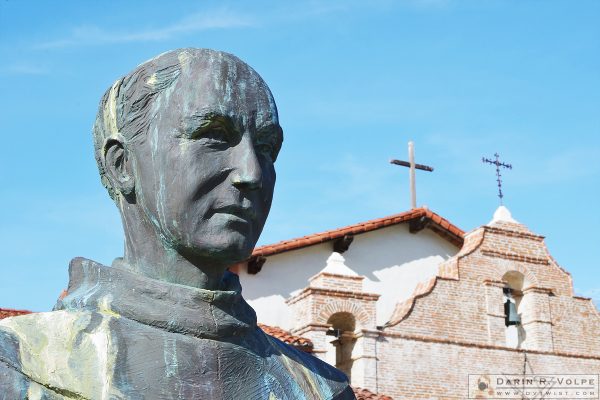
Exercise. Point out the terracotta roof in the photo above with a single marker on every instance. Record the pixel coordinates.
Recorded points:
(298, 342)
(434, 222)
(7, 312)
(366, 394)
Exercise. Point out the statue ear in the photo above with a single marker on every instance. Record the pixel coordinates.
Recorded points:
(118, 167)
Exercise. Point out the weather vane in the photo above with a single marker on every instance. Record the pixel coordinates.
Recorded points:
(498, 164)
(412, 166)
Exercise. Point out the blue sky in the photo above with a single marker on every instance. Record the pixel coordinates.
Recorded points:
(354, 81)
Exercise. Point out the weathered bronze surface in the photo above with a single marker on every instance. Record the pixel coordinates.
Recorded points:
(186, 145)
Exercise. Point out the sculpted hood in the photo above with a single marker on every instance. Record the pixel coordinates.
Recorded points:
(118, 335)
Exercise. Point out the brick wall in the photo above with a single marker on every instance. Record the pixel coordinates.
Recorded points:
(410, 368)
(454, 325)
(453, 310)
(576, 325)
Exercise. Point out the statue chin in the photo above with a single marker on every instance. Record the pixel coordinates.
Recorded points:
(223, 254)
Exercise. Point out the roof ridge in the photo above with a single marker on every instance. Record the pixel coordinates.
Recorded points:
(11, 312)
(358, 228)
(16, 310)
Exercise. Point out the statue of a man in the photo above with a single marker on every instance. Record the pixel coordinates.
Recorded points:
(185, 144)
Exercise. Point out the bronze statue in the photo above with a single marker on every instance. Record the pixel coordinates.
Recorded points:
(185, 145)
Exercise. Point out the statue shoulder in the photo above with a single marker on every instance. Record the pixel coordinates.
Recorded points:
(13, 383)
(38, 350)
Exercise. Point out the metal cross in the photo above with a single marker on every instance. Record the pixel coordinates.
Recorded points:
(411, 164)
(498, 164)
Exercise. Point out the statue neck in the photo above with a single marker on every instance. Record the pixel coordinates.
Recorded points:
(147, 253)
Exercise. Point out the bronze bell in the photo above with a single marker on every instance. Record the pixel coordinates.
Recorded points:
(511, 317)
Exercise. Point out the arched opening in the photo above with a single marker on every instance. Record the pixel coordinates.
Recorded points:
(512, 297)
(339, 353)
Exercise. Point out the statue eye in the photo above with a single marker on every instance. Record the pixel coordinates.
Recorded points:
(265, 149)
(213, 136)
(268, 141)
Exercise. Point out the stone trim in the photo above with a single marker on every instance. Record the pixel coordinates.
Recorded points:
(537, 321)
(495, 283)
(515, 257)
(511, 233)
(338, 276)
(345, 294)
(310, 327)
(419, 338)
(538, 289)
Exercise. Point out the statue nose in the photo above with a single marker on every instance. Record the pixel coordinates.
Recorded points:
(247, 174)
(246, 183)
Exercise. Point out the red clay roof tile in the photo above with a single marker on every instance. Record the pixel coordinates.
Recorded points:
(7, 312)
(298, 342)
(442, 226)
(366, 394)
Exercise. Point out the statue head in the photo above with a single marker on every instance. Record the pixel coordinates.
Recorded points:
(186, 145)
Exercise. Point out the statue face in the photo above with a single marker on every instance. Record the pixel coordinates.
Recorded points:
(204, 172)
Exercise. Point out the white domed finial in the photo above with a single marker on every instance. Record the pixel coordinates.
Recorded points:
(503, 214)
(335, 265)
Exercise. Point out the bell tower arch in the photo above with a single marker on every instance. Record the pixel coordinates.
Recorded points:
(339, 318)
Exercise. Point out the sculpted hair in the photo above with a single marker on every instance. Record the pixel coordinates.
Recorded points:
(126, 108)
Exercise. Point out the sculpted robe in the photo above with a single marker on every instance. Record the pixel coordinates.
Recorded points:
(119, 335)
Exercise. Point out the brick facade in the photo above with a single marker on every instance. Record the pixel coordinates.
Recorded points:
(454, 323)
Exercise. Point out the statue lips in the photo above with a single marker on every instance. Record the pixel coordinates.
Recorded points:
(237, 213)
